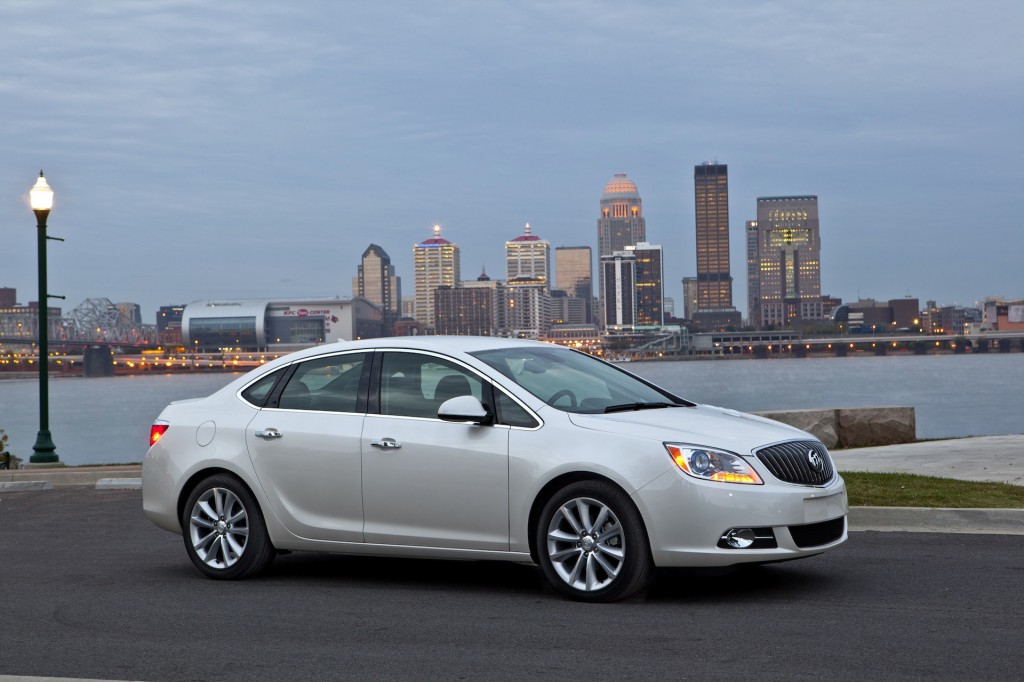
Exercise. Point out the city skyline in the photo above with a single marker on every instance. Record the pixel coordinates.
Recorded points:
(186, 141)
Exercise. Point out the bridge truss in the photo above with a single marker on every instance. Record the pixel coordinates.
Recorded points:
(95, 320)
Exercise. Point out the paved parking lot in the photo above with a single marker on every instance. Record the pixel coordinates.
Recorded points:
(93, 590)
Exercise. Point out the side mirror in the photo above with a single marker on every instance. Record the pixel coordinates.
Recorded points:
(465, 408)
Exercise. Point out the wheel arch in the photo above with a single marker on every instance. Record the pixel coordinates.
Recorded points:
(556, 484)
(202, 474)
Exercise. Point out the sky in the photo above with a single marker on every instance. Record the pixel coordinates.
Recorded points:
(250, 149)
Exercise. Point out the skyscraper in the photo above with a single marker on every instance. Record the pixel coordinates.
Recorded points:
(714, 281)
(689, 297)
(753, 276)
(789, 260)
(573, 275)
(436, 263)
(528, 257)
(377, 283)
(650, 291)
(621, 224)
(618, 298)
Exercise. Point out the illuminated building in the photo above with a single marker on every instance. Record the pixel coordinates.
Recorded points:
(436, 264)
(715, 309)
(650, 292)
(689, 297)
(262, 324)
(788, 281)
(618, 275)
(528, 257)
(523, 306)
(574, 276)
(753, 276)
(464, 310)
(621, 224)
(376, 282)
(168, 323)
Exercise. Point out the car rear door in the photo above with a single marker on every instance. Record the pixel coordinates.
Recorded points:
(305, 447)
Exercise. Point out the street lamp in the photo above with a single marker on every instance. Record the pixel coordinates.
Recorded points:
(44, 451)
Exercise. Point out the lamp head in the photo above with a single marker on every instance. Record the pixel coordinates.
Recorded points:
(41, 195)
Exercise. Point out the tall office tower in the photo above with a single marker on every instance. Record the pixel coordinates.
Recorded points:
(436, 264)
(528, 257)
(621, 224)
(789, 260)
(714, 281)
(689, 297)
(618, 274)
(574, 276)
(753, 276)
(377, 283)
(650, 289)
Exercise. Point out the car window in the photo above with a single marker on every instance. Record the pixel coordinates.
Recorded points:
(415, 384)
(327, 384)
(257, 392)
(572, 381)
(512, 413)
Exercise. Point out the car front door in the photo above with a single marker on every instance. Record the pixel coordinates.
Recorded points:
(427, 482)
(305, 448)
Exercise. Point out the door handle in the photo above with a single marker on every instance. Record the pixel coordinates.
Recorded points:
(269, 434)
(386, 444)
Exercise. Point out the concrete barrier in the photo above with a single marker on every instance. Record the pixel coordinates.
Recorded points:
(853, 427)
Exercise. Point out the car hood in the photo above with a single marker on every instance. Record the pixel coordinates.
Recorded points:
(699, 425)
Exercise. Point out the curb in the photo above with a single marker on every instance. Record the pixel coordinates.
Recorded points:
(937, 520)
(119, 484)
(18, 486)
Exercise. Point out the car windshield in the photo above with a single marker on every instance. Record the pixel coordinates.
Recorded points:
(576, 382)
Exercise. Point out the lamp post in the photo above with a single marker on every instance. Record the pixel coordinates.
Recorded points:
(44, 451)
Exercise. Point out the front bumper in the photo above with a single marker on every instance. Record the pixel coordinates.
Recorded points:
(686, 519)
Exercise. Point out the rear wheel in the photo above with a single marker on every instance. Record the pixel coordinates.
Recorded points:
(591, 543)
(225, 535)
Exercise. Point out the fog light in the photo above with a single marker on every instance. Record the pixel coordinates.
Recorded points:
(740, 538)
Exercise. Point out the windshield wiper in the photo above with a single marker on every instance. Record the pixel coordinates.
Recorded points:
(629, 407)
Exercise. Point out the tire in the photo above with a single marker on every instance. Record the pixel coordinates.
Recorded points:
(225, 535)
(591, 543)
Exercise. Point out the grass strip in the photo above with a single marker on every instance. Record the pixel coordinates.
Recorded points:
(910, 490)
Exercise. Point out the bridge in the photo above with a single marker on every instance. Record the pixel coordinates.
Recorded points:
(766, 344)
(94, 321)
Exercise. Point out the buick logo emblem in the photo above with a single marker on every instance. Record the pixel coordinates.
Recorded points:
(814, 459)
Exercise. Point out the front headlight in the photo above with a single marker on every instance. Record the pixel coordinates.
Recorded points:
(712, 465)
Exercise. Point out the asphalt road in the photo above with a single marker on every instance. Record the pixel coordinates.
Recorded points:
(91, 589)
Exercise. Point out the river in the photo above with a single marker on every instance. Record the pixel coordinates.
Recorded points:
(96, 421)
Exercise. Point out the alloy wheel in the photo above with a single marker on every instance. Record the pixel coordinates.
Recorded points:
(586, 544)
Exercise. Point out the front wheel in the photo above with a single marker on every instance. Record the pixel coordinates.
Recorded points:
(225, 535)
(591, 543)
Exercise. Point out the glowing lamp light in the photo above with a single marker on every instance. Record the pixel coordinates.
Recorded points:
(41, 195)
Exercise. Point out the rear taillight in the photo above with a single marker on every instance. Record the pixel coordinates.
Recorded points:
(156, 431)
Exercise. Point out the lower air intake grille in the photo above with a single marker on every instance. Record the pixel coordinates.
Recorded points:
(815, 534)
(805, 462)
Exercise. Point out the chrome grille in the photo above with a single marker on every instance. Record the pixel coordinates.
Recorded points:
(794, 463)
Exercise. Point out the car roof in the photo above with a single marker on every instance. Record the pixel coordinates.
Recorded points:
(446, 344)
(451, 345)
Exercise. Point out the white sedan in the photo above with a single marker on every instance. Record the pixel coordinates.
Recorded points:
(483, 448)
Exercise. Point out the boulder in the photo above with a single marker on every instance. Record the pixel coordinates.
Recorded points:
(868, 426)
(822, 424)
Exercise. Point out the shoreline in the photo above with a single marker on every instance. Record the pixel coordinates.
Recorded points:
(245, 366)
